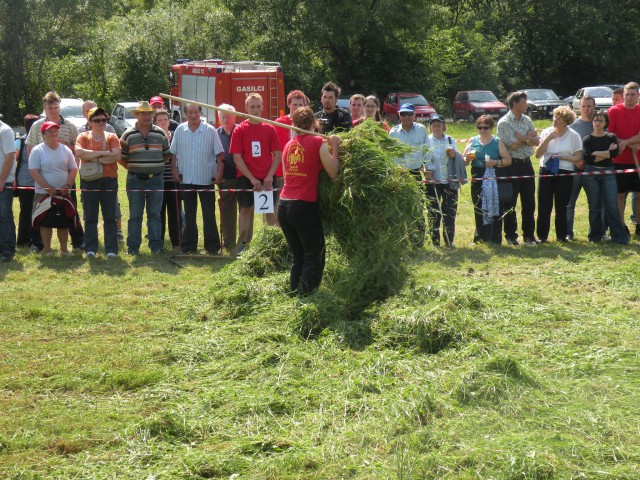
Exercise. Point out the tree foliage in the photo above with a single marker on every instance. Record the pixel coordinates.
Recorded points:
(112, 50)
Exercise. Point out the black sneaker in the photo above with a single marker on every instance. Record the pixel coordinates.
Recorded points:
(512, 241)
(531, 241)
(131, 252)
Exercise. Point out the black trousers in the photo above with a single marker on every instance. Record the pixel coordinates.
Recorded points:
(171, 213)
(208, 204)
(526, 189)
(447, 199)
(553, 192)
(77, 235)
(27, 235)
(302, 227)
(491, 232)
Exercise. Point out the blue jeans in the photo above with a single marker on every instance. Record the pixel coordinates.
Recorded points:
(152, 198)
(105, 197)
(7, 225)
(602, 190)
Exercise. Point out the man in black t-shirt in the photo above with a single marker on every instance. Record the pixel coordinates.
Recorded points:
(331, 117)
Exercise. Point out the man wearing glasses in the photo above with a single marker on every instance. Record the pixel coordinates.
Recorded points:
(415, 135)
(68, 136)
(145, 149)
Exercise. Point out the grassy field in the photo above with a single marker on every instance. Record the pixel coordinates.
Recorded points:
(490, 363)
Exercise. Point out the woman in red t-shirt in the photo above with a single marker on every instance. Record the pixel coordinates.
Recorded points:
(298, 210)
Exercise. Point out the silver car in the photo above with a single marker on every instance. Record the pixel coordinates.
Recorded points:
(122, 118)
(601, 94)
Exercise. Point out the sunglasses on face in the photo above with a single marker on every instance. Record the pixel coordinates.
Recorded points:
(406, 114)
(99, 120)
(483, 127)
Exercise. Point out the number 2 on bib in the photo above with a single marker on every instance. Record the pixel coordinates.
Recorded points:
(256, 149)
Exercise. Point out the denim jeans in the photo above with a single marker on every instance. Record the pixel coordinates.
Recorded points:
(151, 197)
(302, 227)
(100, 194)
(7, 225)
(578, 184)
(603, 190)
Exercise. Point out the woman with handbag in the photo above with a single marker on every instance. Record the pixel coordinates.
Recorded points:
(487, 151)
(53, 169)
(99, 152)
(559, 150)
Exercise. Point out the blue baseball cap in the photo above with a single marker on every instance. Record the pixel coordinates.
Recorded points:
(407, 107)
(436, 118)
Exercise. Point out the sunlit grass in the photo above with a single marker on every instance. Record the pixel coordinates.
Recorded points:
(490, 362)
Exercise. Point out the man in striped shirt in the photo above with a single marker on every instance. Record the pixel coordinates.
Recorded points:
(196, 162)
(145, 149)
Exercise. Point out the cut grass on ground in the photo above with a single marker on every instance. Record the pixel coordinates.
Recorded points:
(490, 362)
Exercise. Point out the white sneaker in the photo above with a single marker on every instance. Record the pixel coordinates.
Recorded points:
(112, 255)
(91, 254)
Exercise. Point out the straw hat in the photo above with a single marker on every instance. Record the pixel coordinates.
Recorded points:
(143, 107)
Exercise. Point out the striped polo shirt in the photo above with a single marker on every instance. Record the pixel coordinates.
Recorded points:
(142, 154)
(68, 133)
(196, 152)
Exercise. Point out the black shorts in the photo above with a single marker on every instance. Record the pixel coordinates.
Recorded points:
(627, 182)
(245, 199)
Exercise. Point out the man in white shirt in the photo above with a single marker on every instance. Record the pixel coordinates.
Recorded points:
(197, 164)
(415, 135)
(7, 176)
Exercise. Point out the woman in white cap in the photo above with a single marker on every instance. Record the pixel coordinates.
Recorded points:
(445, 172)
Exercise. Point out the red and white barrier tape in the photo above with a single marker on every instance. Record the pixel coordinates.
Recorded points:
(517, 177)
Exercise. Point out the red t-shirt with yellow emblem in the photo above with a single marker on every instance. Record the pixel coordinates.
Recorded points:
(302, 167)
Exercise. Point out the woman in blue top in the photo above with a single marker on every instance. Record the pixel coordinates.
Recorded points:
(480, 148)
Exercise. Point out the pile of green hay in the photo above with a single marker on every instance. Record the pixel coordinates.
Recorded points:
(371, 210)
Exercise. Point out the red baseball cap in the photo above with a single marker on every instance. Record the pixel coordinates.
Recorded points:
(47, 125)
(155, 100)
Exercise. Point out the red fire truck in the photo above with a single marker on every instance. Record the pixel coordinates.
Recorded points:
(215, 82)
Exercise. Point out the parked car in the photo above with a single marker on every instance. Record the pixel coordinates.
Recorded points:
(343, 102)
(393, 101)
(541, 102)
(568, 101)
(121, 116)
(601, 94)
(470, 104)
(71, 111)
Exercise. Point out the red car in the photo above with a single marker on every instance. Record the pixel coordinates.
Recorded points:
(393, 101)
(471, 104)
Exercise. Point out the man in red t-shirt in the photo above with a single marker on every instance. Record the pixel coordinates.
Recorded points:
(624, 122)
(257, 153)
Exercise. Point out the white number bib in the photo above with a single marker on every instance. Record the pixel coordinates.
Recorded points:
(263, 201)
